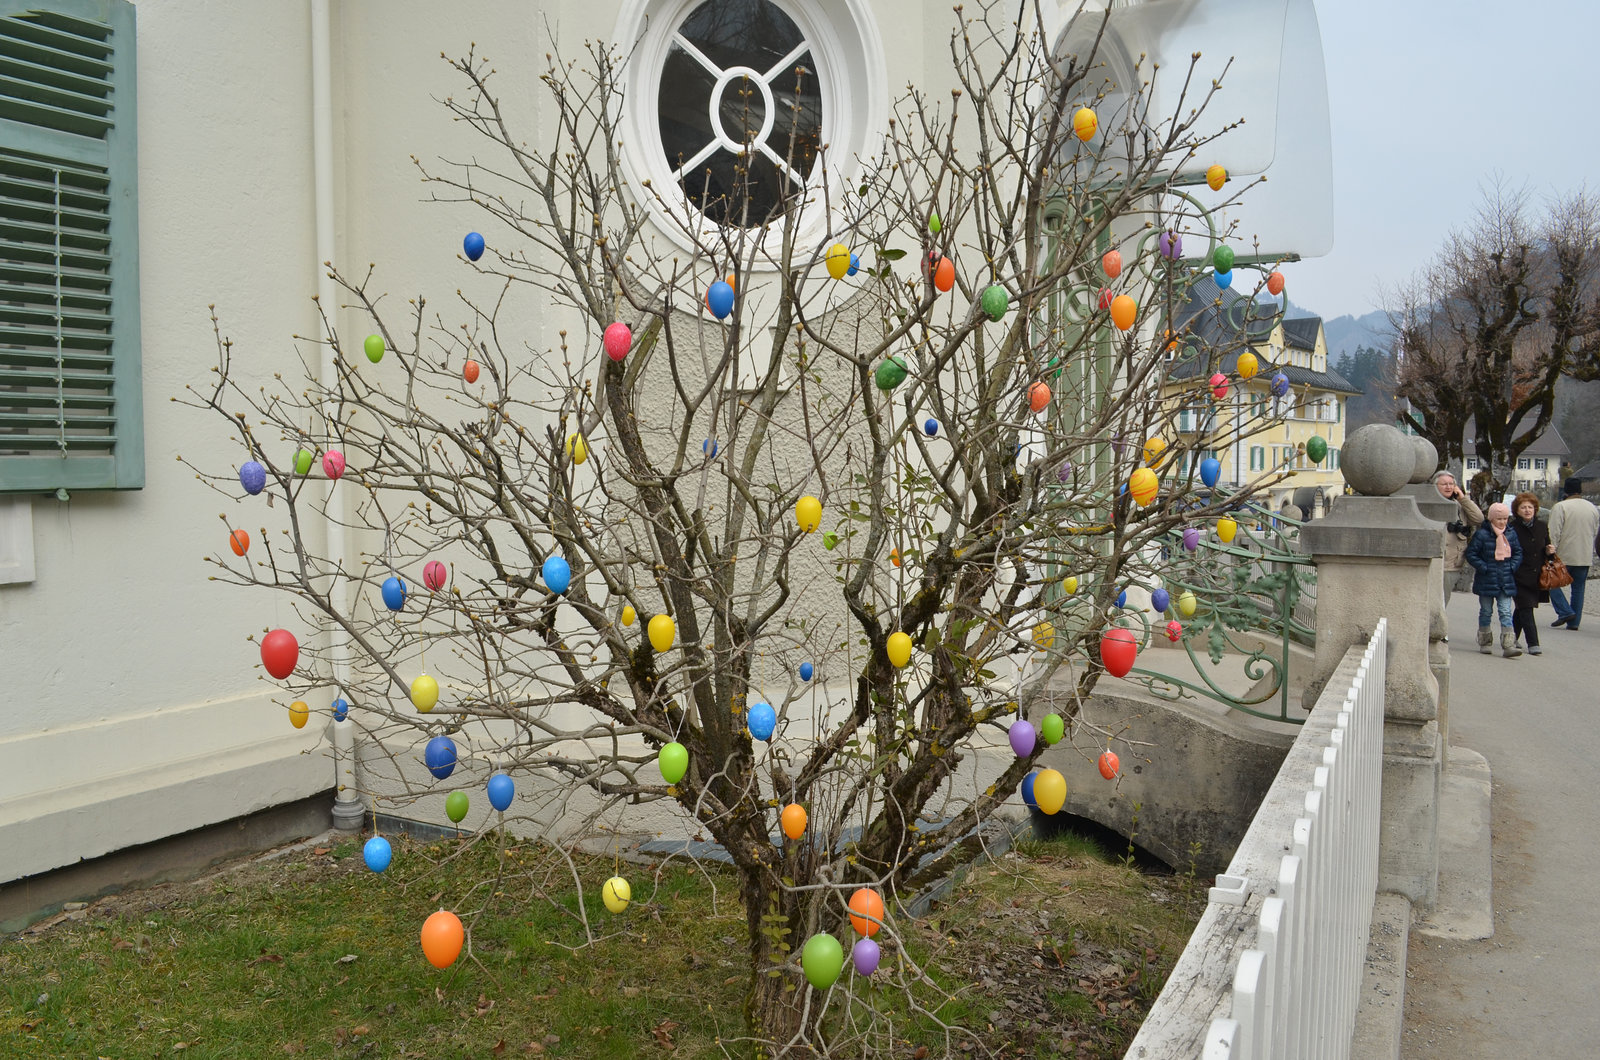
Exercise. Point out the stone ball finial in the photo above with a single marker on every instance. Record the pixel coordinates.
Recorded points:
(1427, 459)
(1377, 460)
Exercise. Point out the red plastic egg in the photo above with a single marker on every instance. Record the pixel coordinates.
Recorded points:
(1275, 283)
(434, 575)
(618, 339)
(1174, 630)
(1111, 263)
(1109, 765)
(280, 653)
(1118, 649)
(469, 371)
(333, 464)
(1219, 385)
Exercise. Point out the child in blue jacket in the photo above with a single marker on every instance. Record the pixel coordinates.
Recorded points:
(1495, 554)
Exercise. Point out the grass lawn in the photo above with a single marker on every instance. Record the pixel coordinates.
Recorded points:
(1052, 950)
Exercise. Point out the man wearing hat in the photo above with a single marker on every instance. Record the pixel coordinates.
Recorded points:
(1574, 530)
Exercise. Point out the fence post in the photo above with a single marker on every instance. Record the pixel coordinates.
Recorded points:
(1377, 555)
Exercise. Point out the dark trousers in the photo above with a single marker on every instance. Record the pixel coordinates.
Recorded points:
(1522, 622)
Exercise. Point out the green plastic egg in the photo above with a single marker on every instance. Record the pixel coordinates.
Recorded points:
(822, 959)
(1316, 448)
(674, 762)
(1222, 259)
(891, 372)
(995, 301)
(455, 807)
(1052, 729)
(374, 347)
(302, 462)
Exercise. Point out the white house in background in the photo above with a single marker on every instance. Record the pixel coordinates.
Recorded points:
(161, 157)
(1538, 468)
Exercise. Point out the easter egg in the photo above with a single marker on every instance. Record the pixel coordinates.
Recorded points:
(1170, 245)
(1316, 448)
(995, 301)
(303, 459)
(1160, 600)
(1143, 484)
(440, 757)
(239, 541)
(894, 556)
(374, 347)
(617, 339)
(253, 477)
(1118, 649)
(577, 448)
(280, 653)
(442, 938)
(1187, 604)
(1111, 263)
(377, 853)
(333, 464)
(1275, 283)
(1123, 311)
(822, 958)
(456, 805)
(424, 692)
(661, 631)
(855, 265)
(469, 371)
(1109, 765)
(1122, 598)
(865, 955)
(1027, 791)
(761, 720)
(1051, 729)
(709, 448)
(1222, 259)
(806, 670)
(1023, 738)
(501, 791)
(394, 593)
(1069, 584)
(935, 226)
(341, 709)
(1107, 296)
(1174, 630)
(1085, 123)
(673, 761)
(899, 650)
(1044, 636)
(838, 261)
(616, 894)
(1216, 176)
(629, 615)
(298, 713)
(719, 299)
(472, 246)
(1224, 280)
(793, 819)
(434, 575)
(1064, 472)
(1038, 397)
(1226, 528)
(1280, 385)
(1219, 385)
(1210, 472)
(866, 911)
(931, 427)
(891, 372)
(808, 513)
(1247, 365)
(944, 274)
(1049, 791)
(829, 540)
(557, 574)
(1153, 448)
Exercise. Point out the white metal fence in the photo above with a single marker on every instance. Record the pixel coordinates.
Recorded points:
(1274, 969)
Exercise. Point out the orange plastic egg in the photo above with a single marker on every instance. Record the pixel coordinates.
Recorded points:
(793, 820)
(239, 541)
(1038, 397)
(866, 912)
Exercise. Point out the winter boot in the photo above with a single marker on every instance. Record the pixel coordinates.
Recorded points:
(1485, 640)
(1508, 643)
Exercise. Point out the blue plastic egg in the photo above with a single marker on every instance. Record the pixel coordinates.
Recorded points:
(473, 245)
(930, 428)
(1280, 385)
(1122, 598)
(1159, 600)
(719, 299)
(253, 477)
(377, 853)
(762, 720)
(709, 448)
(440, 756)
(806, 670)
(341, 710)
(1027, 791)
(1210, 471)
(394, 594)
(501, 789)
(855, 265)
(1224, 279)
(557, 574)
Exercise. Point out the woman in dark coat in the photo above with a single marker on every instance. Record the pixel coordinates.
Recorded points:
(1495, 554)
(1534, 537)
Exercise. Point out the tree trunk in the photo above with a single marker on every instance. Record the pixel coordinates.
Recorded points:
(775, 1003)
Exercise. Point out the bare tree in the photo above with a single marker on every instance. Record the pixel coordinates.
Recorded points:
(1484, 333)
(668, 480)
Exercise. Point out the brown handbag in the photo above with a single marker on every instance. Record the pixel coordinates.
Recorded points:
(1554, 575)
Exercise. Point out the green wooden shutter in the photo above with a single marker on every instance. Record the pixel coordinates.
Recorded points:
(71, 409)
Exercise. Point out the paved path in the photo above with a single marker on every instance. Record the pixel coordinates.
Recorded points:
(1530, 990)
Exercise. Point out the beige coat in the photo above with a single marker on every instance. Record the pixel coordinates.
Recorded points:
(1573, 526)
(1455, 545)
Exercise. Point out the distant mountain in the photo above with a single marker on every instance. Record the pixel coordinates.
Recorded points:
(1346, 333)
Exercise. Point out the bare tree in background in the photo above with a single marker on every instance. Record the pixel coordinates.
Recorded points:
(668, 480)
(1506, 309)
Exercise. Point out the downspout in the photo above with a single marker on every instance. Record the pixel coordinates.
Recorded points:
(348, 808)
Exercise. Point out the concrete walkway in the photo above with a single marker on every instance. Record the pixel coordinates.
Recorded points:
(1529, 989)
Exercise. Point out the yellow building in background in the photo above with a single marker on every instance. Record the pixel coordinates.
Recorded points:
(1251, 431)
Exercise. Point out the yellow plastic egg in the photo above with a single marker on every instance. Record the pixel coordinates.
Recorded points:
(662, 630)
(1216, 176)
(1226, 528)
(1143, 484)
(299, 713)
(1187, 604)
(1085, 123)
(629, 615)
(1044, 636)
(1248, 366)
(1153, 449)
(1069, 584)
(838, 261)
(424, 693)
(577, 448)
(808, 513)
(1050, 791)
(899, 648)
(616, 894)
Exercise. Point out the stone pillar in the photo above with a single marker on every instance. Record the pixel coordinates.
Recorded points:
(1435, 509)
(1378, 557)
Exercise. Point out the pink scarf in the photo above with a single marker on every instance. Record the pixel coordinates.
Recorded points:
(1502, 547)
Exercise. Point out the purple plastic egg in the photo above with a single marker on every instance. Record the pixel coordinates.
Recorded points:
(1171, 245)
(866, 954)
(1023, 738)
(1191, 539)
(1065, 473)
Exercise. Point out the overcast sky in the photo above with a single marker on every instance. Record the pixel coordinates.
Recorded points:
(1428, 99)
